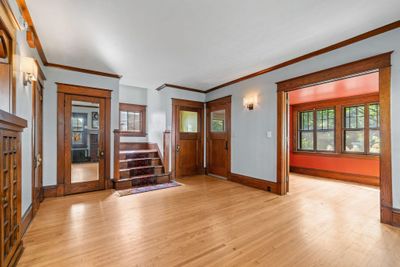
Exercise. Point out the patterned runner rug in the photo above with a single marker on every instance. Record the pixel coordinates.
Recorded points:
(143, 189)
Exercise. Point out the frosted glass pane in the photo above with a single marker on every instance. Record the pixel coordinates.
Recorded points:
(188, 121)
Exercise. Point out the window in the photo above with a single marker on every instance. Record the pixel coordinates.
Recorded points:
(374, 133)
(306, 130)
(326, 130)
(354, 129)
(348, 125)
(188, 121)
(218, 121)
(319, 136)
(132, 119)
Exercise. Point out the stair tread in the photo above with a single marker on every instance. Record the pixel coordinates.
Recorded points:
(142, 176)
(136, 159)
(138, 151)
(141, 167)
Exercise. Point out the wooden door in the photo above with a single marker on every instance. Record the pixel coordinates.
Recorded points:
(37, 146)
(188, 136)
(85, 119)
(219, 137)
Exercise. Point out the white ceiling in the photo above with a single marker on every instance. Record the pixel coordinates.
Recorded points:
(196, 43)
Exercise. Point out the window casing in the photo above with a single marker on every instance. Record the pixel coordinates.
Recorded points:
(132, 119)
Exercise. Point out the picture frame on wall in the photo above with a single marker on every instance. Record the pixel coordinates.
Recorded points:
(95, 120)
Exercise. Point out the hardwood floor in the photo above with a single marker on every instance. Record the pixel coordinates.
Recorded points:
(213, 222)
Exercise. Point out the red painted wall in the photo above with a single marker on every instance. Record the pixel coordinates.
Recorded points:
(343, 164)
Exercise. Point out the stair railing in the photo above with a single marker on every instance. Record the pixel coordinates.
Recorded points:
(166, 149)
(117, 137)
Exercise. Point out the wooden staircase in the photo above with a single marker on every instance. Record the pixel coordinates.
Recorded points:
(139, 164)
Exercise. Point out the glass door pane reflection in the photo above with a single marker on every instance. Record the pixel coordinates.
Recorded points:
(84, 143)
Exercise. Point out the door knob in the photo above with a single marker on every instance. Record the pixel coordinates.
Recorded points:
(178, 148)
(101, 154)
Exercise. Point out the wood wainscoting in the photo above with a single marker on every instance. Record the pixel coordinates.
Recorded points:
(253, 182)
(26, 220)
(348, 177)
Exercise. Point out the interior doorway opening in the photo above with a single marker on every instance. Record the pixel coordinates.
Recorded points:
(348, 132)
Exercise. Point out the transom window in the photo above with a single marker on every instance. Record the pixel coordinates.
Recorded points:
(132, 119)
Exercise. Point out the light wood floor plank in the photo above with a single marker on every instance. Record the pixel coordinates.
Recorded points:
(212, 222)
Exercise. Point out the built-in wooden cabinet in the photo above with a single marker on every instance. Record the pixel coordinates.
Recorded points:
(10, 187)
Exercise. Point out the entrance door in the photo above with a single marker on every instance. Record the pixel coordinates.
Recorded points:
(84, 143)
(188, 136)
(219, 136)
(37, 139)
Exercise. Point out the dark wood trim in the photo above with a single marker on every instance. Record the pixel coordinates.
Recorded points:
(337, 73)
(117, 141)
(383, 65)
(180, 87)
(254, 182)
(26, 220)
(166, 149)
(74, 89)
(94, 72)
(49, 191)
(12, 120)
(324, 50)
(26, 15)
(385, 146)
(221, 100)
(348, 177)
(396, 217)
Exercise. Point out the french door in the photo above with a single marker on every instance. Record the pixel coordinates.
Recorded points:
(84, 132)
(219, 137)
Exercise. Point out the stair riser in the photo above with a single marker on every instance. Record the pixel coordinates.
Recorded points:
(139, 172)
(138, 155)
(138, 163)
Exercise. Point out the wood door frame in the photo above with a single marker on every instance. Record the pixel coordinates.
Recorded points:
(33, 137)
(191, 104)
(381, 63)
(222, 100)
(71, 89)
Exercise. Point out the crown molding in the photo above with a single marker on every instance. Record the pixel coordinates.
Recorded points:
(180, 87)
(324, 50)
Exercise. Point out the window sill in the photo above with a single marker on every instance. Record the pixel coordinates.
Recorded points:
(336, 155)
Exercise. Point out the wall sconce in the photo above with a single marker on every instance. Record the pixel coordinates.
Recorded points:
(29, 69)
(249, 102)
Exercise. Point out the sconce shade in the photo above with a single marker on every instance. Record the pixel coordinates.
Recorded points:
(249, 102)
(28, 65)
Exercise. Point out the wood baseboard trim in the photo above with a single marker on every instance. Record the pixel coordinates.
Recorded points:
(26, 220)
(348, 177)
(396, 218)
(49, 191)
(254, 182)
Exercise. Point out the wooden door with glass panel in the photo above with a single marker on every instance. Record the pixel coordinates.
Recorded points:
(84, 145)
(218, 136)
(188, 142)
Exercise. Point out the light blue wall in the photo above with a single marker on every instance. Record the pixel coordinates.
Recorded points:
(254, 154)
